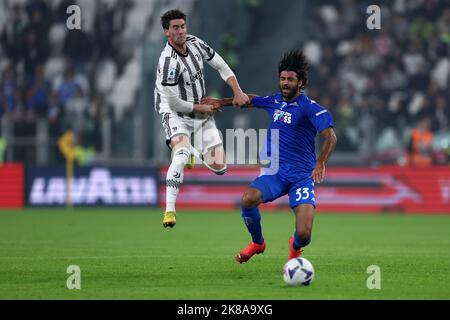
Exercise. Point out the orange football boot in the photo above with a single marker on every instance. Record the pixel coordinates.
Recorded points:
(249, 251)
(292, 252)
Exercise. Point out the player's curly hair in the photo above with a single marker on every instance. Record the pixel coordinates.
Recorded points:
(171, 15)
(295, 61)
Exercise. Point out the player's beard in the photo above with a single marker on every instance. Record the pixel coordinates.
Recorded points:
(181, 41)
(179, 44)
(289, 95)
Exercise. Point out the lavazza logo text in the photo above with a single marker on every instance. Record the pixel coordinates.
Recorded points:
(99, 187)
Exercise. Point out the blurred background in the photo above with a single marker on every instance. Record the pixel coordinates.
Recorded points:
(388, 91)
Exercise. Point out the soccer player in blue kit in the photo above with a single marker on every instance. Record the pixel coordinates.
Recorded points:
(298, 119)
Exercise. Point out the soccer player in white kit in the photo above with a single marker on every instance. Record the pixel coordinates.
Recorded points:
(180, 86)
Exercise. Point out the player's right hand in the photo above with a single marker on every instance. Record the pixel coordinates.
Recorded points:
(318, 173)
(240, 99)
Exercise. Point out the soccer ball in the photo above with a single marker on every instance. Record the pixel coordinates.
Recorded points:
(298, 271)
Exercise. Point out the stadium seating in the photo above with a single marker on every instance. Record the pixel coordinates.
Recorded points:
(377, 83)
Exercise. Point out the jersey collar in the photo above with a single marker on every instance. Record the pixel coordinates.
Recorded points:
(293, 103)
(178, 52)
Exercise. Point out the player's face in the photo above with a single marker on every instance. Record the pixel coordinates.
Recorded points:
(289, 85)
(176, 33)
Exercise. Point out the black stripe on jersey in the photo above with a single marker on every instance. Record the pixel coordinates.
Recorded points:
(174, 54)
(166, 70)
(210, 58)
(193, 86)
(165, 76)
(158, 102)
(197, 67)
(203, 79)
(207, 51)
(190, 38)
(182, 88)
(198, 50)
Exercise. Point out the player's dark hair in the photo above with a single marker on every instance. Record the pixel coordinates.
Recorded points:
(171, 15)
(295, 61)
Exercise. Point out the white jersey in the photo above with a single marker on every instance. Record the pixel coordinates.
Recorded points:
(183, 73)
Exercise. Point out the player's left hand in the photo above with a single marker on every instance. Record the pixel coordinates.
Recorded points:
(216, 103)
(318, 173)
(240, 99)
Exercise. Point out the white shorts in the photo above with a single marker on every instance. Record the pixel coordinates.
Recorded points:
(205, 134)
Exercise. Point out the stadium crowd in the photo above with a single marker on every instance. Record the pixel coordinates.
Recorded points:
(379, 84)
(384, 80)
(65, 76)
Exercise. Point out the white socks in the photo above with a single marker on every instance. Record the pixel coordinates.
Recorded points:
(175, 175)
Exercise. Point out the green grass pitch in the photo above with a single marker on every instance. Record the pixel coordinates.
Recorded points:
(127, 254)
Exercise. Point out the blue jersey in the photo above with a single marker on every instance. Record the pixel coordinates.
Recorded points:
(298, 122)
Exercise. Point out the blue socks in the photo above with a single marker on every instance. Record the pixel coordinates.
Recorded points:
(252, 220)
(300, 243)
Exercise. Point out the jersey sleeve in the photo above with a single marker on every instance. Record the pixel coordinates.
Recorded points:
(205, 50)
(320, 117)
(262, 102)
(170, 70)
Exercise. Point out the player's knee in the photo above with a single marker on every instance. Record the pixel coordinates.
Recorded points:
(251, 198)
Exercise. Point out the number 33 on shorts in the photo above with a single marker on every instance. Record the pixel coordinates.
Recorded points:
(305, 195)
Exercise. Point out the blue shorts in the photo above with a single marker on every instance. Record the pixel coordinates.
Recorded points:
(300, 189)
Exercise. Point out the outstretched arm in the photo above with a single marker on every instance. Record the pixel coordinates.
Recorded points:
(318, 173)
(240, 98)
(217, 62)
(219, 103)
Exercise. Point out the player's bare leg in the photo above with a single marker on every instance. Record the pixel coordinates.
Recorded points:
(250, 214)
(304, 217)
(181, 151)
(215, 160)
